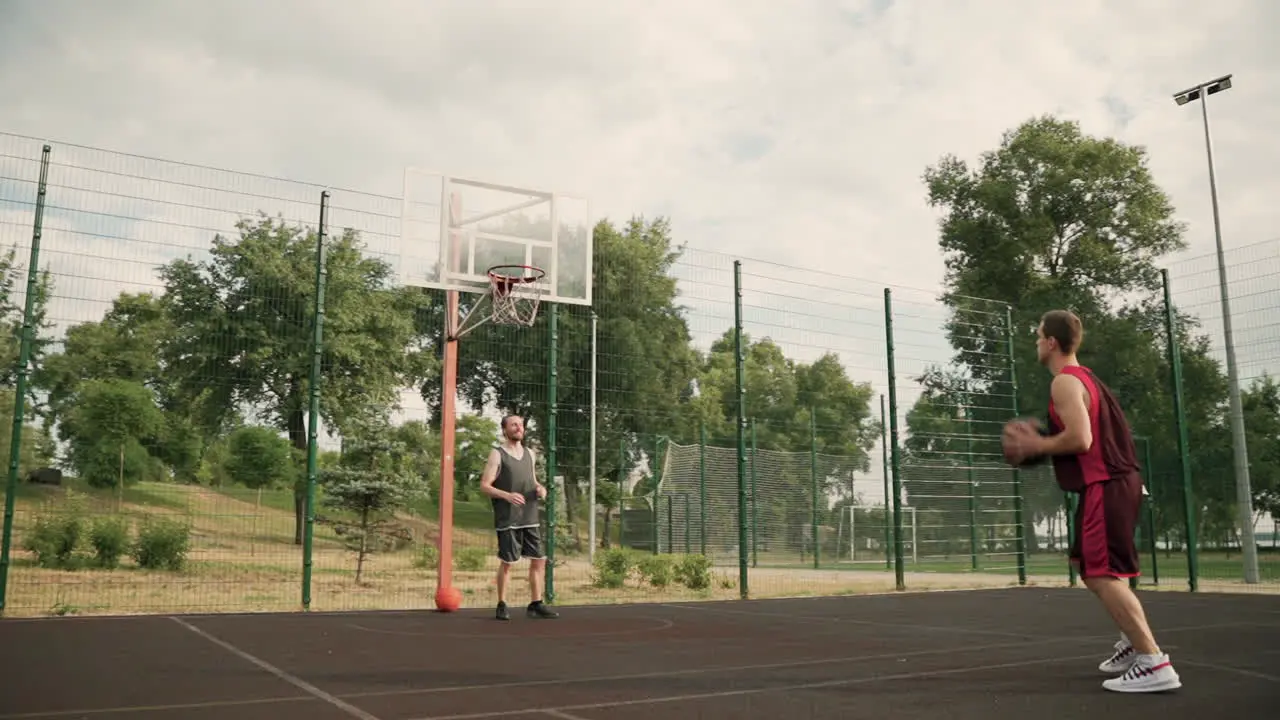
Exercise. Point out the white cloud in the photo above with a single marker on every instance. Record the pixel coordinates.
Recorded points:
(794, 132)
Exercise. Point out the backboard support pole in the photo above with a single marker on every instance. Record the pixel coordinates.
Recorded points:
(448, 404)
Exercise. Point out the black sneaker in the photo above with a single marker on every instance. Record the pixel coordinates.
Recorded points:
(502, 612)
(538, 610)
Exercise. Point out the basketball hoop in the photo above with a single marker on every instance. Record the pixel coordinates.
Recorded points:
(512, 300)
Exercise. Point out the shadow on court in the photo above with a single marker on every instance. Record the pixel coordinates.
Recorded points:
(970, 654)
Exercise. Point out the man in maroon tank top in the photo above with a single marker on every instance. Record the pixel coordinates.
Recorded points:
(1094, 456)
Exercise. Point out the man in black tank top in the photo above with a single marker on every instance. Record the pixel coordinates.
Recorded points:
(510, 480)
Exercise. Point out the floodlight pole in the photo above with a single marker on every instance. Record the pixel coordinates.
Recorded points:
(1244, 494)
(591, 472)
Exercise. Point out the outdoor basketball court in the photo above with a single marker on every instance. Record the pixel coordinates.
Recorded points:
(967, 654)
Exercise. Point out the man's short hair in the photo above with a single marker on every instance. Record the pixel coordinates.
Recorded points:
(507, 417)
(1065, 327)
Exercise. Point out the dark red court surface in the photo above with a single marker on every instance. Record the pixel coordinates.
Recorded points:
(984, 654)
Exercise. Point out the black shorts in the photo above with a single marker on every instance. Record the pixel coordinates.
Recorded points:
(1105, 520)
(515, 543)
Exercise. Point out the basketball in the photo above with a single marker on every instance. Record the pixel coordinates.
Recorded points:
(1012, 427)
(448, 598)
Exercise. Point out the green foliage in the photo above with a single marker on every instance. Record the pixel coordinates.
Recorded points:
(657, 570)
(1053, 218)
(613, 567)
(694, 571)
(108, 428)
(258, 457)
(109, 536)
(162, 544)
(1261, 403)
(428, 557)
(369, 486)
(37, 445)
(243, 322)
(12, 274)
(54, 539)
(470, 559)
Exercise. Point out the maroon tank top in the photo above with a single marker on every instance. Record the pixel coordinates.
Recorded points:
(1112, 455)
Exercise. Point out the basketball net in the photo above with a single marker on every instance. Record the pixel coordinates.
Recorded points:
(512, 300)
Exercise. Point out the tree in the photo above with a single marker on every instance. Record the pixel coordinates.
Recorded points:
(125, 345)
(242, 334)
(781, 393)
(258, 457)
(11, 321)
(370, 484)
(1054, 218)
(109, 429)
(1261, 403)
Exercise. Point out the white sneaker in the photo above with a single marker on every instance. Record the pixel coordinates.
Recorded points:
(1121, 660)
(1148, 673)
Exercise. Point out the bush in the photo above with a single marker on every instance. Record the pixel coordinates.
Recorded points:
(428, 557)
(258, 457)
(612, 567)
(109, 536)
(470, 559)
(162, 545)
(54, 539)
(657, 569)
(694, 572)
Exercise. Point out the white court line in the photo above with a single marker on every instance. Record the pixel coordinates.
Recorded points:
(297, 682)
(839, 620)
(758, 691)
(717, 669)
(562, 715)
(1029, 637)
(1228, 669)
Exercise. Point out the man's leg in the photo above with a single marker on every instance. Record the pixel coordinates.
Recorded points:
(1108, 558)
(531, 545)
(1126, 610)
(536, 570)
(508, 553)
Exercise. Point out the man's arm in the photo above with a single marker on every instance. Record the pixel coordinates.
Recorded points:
(542, 489)
(1069, 401)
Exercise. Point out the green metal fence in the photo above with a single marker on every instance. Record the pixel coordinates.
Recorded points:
(222, 399)
(1234, 449)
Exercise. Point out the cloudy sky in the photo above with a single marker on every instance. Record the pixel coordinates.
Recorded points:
(794, 131)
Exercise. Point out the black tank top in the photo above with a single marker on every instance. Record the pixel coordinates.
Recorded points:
(516, 475)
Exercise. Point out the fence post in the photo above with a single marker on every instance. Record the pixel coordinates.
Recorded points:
(1069, 502)
(671, 525)
(1020, 532)
(657, 483)
(1184, 454)
(553, 378)
(1149, 514)
(24, 359)
(755, 500)
(687, 547)
(740, 373)
(888, 499)
(313, 399)
(622, 484)
(896, 462)
(971, 474)
(702, 483)
(813, 482)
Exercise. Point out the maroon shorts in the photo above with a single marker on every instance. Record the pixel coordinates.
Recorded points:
(1106, 518)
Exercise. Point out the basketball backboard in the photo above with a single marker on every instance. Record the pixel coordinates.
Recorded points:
(453, 230)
